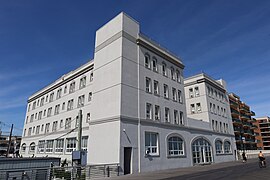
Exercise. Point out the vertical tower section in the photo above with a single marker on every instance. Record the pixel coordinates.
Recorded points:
(114, 71)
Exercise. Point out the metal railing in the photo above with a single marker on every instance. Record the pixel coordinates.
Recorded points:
(86, 172)
(60, 173)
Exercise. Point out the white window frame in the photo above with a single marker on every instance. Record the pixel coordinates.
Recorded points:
(149, 111)
(175, 146)
(148, 85)
(153, 147)
(157, 113)
(156, 88)
(71, 144)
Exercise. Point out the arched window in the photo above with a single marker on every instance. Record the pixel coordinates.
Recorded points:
(32, 147)
(175, 146)
(201, 151)
(164, 69)
(227, 147)
(218, 145)
(178, 76)
(154, 64)
(23, 148)
(172, 73)
(147, 63)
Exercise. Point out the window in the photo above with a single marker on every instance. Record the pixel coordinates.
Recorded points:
(29, 107)
(211, 108)
(32, 118)
(192, 108)
(199, 109)
(166, 91)
(208, 91)
(32, 147)
(178, 76)
(23, 148)
(151, 143)
(81, 101)
(36, 116)
(39, 115)
(172, 73)
(82, 82)
(218, 147)
(218, 111)
(90, 96)
(51, 97)
(148, 85)
(47, 98)
(214, 108)
(201, 151)
(56, 110)
(215, 93)
(47, 127)
(44, 114)
(68, 123)
(41, 146)
(148, 111)
(49, 112)
(197, 93)
(181, 118)
(91, 76)
(213, 125)
(220, 127)
(167, 114)
(72, 87)
(61, 123)
(175, 146)
(174, 94)
(34, 105)
(24, 132)
(84, 143)
(164, 69)
(26, 120)
(71, 144)
(63, 106)
(147, 61)
(65, 89)
(154, 63)
(54, 127)
(88, 117)
(180, 100)
(156, 88)
(42, 127)
(34, 128)
(37, 129)
(59, 93)
(191, 93)
(70, 105)
(176, 117)
(157, 113)
(59, 146)
(227, 147)
(29, 131)
(49, 146)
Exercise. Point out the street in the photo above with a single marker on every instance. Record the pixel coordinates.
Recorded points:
(235, 170)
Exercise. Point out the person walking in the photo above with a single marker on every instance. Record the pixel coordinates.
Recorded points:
(244, 157)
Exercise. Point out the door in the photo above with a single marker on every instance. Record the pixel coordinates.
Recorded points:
(127, 159)
(201, 151)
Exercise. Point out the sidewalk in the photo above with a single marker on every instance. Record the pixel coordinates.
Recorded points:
(163, 174)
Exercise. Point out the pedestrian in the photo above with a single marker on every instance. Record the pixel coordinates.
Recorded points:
(244, 157)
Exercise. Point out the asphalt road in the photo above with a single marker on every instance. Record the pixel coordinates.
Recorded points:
(235, 170)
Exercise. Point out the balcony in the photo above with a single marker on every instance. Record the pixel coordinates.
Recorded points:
(236, 121)
(234, 112)
(254, 126)
(237, 129)
(244, 117)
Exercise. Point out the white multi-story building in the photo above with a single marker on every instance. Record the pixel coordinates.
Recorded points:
(134, 109)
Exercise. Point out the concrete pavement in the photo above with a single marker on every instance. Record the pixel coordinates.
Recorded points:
(201, 172)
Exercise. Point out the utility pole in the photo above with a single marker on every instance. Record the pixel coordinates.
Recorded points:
(79, 147)
(9, 142)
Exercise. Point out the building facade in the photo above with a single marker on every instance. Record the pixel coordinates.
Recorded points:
(132, 96)
(243, 123)
(14, 145)
(263, 132)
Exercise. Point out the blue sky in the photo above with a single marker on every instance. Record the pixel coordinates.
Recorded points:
(42, 40)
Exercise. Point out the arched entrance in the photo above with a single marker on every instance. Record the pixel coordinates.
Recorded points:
(201, 151)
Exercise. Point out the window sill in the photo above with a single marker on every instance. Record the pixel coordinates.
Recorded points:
(176, 156)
